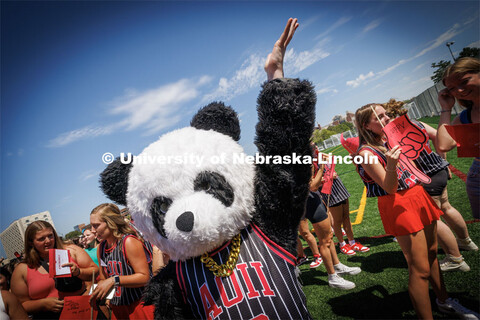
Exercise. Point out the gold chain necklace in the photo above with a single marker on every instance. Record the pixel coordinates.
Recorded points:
(226, 269)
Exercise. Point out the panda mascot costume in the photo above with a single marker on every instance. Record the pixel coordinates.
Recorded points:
(229, 226)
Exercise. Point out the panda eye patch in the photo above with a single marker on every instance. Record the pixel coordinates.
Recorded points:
(216, 185)
(158, 209)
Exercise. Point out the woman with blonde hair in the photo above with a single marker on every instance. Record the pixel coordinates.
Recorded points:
(31, 282)
(407, 212)
(126, 264)
(462, 82)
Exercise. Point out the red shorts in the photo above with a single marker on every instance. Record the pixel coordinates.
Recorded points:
(136, 310)
(407, 211)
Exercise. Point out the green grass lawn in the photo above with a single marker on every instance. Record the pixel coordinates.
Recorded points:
(382, 287)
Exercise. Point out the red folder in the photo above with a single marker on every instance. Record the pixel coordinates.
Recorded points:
(51, 271)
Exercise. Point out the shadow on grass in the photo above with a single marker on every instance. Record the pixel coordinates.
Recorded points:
(373, 303)
(378, 262)
(376, 303)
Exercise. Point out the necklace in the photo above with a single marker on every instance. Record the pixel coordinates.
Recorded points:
(226, 269)
(110, 249)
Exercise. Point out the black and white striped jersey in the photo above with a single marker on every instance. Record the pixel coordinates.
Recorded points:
(262, 286)
(115, 262)
(339, 193)
(405, 178)
(428, 161)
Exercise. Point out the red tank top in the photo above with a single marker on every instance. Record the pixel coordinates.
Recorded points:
(40, 285)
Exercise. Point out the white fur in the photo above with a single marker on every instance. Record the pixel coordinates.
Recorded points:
(214, 223)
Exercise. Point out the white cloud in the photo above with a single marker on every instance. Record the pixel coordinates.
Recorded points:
(251, 73)
(295, 63)
(447, 35)
(151, 110)
(440, 40)
(419, 66)
(475, 44)
(88, 175)
(326, 90)
(155, 109)
(334, 26)
(360, 79)
(372, 25)
(79, 134)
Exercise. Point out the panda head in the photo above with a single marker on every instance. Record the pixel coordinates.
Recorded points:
(188, 193)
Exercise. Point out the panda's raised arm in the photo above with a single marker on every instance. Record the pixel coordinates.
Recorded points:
(286, 119)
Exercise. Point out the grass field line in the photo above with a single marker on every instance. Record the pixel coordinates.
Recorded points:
(458, 173)
(361, 208)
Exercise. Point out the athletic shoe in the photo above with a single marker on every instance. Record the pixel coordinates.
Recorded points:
(394, 239)
(467, 244)
(335, 281)
(343, 269)
(317, 261)
(453, 307)
(448, 264)
(302, 260)
(359, 247)
(347, 249)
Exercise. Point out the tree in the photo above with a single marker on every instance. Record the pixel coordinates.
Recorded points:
(442, 65)
(438, 74)
(316, 137)
(470, 52)
(326, 133)
(72, 234)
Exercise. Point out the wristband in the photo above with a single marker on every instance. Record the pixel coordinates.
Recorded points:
(442, 111)
(116, 281)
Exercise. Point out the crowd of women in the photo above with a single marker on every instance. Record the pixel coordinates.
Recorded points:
(113, 263)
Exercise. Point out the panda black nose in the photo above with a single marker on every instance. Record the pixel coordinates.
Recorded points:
(185, 221)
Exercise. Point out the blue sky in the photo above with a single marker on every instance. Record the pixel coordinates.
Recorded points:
(83, 78)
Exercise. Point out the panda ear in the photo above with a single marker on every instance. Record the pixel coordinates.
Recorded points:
(114, 181)
(216, 116)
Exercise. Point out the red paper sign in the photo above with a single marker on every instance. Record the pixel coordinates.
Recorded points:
(328, 177)
(78, 308)
(351, 144)
(411, 139)
(467, 137)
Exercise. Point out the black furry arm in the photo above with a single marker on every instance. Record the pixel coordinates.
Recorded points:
(163, 292)
(286, 113)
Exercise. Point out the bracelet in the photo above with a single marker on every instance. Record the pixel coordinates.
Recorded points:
(79, 271)
(442, 111)
(394, 170)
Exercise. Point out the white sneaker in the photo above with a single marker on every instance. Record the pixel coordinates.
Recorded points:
(467, 244)
(449, 264)
(343, 269)
(335, 281)
(453, 307)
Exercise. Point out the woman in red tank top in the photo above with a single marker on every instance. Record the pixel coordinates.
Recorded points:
(32, 284)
